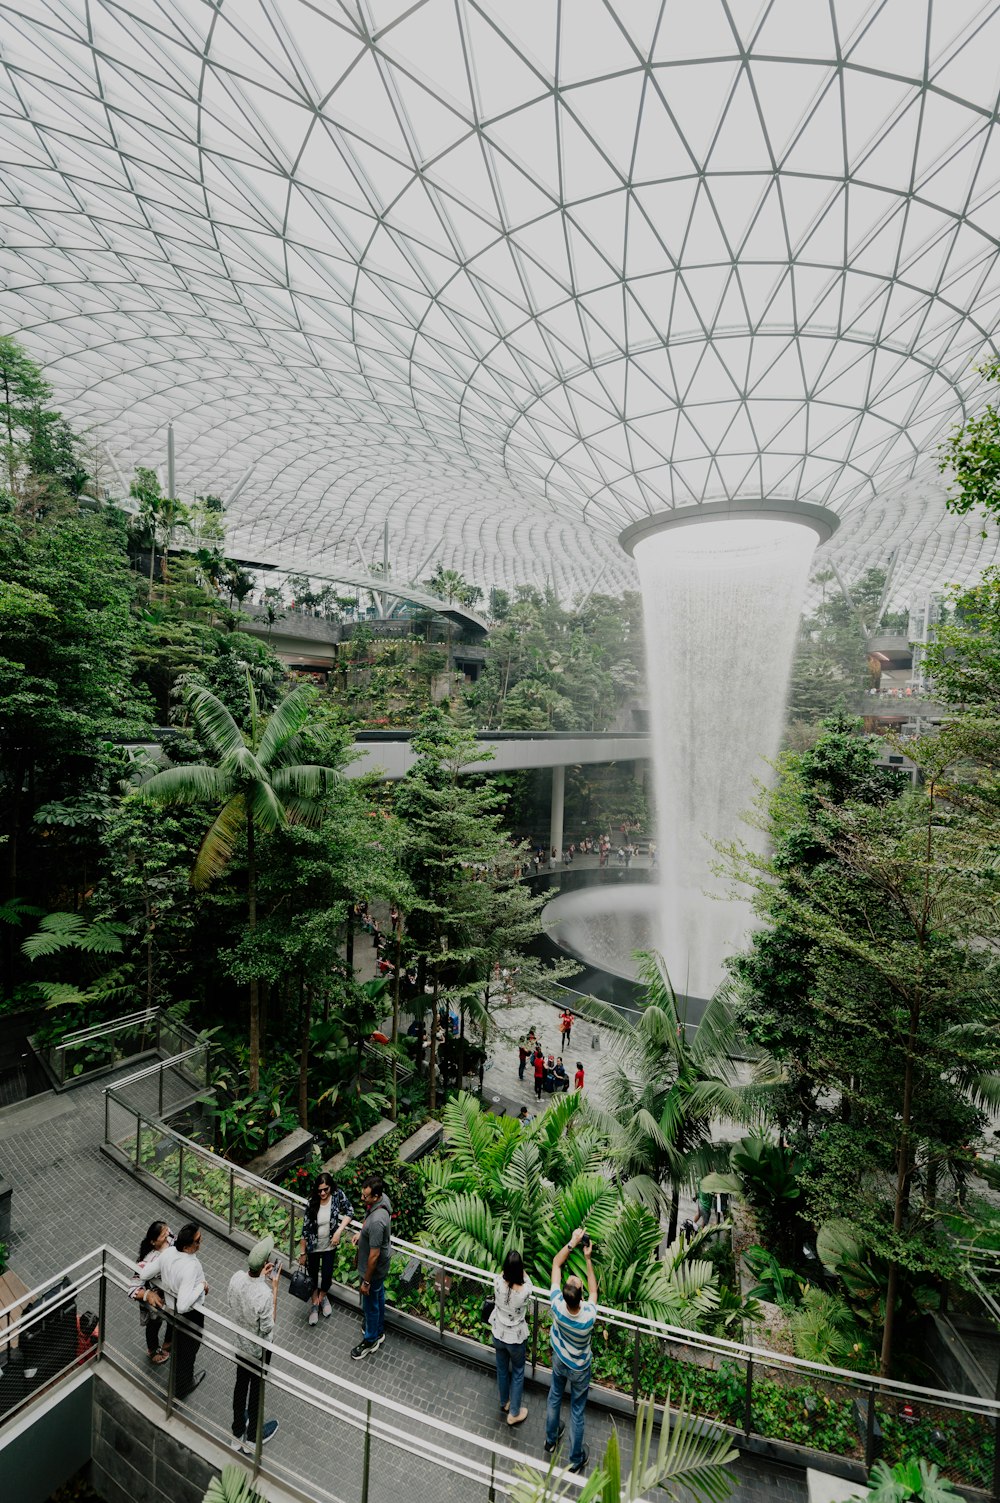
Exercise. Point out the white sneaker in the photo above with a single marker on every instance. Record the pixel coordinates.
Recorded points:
(239, 1443)
(314, 1315)
(327, 1308)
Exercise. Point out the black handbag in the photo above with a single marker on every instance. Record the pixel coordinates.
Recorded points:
(300, 1284)
(489, 1305)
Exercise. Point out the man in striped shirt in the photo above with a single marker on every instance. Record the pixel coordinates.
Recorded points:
(573, 1319)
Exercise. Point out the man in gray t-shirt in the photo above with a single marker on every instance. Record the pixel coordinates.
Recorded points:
(372, 1243)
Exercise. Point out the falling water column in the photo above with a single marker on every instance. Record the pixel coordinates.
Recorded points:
(722, 588)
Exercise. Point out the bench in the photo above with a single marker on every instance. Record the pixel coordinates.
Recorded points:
(420, 1142)
(13, 1296)
(289, 1150)
(360, 1145)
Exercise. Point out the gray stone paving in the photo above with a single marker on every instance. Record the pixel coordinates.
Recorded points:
(68, 1198)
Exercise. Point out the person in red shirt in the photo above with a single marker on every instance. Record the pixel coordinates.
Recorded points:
(566, 1027)
(539, 1067)
(578, 1077)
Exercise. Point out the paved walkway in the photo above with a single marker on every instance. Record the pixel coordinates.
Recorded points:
(67, 1197)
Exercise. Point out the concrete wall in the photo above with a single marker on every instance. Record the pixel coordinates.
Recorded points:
(48, 1444)
(135, 1457)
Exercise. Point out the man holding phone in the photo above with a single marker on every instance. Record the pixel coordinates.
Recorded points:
(573, 1320)
(253, 1300)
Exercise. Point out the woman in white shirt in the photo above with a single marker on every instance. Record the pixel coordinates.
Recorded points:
(512, 1290)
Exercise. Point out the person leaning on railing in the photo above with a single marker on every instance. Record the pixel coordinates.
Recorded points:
(177, 1271)
(149, 1299)
(512, 1289)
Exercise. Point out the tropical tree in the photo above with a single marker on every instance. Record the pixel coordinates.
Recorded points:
(159, 516)
(889, 899)
(258, 783)
(669, 1087)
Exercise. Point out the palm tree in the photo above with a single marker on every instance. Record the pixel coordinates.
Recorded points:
(669, 1088)
(260, 784)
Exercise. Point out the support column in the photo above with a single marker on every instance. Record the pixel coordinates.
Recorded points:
(556, 819)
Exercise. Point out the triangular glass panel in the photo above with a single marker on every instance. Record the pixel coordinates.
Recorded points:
(609, 112)
(585, 172)
(818, 148)
(661, 151)
(897, 30)
(594, 43)
(427, 43)
(528, 136)
(435, 126)
(740, 199)
(791, 29)
(740, 144)
(697, 98)
(688, 31)
(513, 61)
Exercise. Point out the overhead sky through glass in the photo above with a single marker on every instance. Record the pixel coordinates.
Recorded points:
(510, 276)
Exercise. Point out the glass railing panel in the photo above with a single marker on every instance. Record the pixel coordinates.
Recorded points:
(120, 1125)
(319, 1447)
(951, 1435)
(788, 1404)
(463, 1305)
(43, 1345)
(205, 1181)
(259, 1211)
(160, 1156)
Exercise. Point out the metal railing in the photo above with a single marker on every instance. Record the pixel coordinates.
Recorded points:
(768, 1395)
(87, 1052)
(332, 1433)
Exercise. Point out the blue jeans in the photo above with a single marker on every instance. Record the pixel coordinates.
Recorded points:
(510, 1372)
(373, 1305)
(579, 1387)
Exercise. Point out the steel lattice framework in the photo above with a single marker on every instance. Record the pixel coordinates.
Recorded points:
(513, 274)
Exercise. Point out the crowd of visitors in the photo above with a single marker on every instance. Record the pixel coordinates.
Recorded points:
(600, 846)
(548, 1070)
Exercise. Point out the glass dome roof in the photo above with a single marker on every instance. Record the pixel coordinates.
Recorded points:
(511, 275)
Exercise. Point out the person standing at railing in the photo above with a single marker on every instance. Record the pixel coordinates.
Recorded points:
(150, 1302)
(512, 1290)
(374, 1255)
(253, 1303)
(177, 1271)
(327, 1213)
(573, 1320)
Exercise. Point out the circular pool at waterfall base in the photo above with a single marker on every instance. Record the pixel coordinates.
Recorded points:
(601, 920)
(603, 926)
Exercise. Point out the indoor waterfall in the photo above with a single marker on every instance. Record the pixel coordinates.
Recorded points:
(722, 594)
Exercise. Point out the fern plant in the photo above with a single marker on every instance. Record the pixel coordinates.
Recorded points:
(58, 933)
(500, 1186)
